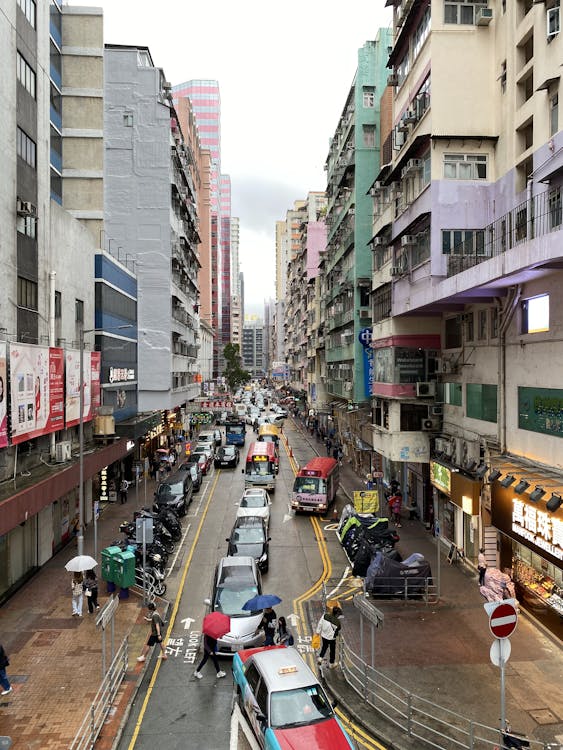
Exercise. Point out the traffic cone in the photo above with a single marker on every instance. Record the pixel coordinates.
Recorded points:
(290, 452)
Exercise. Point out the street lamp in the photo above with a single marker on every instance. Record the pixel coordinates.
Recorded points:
(80, 537)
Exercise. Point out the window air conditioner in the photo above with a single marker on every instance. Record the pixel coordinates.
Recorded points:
(393, 80)
(430, 424)
(378, 242)
(414, 164)
(407, 240)
(62, 451)
(365, 312)
(426, 389)
(483, 16)
(410, 116)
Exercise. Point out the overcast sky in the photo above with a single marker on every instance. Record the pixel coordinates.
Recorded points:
(284, 70)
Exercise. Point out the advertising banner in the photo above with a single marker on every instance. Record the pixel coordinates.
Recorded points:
(3, 398)
(91, 386)
(36, 391)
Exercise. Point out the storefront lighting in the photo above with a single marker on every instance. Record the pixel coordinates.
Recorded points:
(537, 494)
(494, 475)
(471, 465)
(521, 487)
(481, 470)
(508, 480)
(554, 502)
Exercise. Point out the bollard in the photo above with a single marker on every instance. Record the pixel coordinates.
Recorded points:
(290, 452)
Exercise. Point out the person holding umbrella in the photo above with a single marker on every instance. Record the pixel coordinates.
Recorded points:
(215, 625)
(268, 624)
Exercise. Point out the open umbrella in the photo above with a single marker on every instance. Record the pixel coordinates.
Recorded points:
(261, 601)
(216, 624)
(80, 563)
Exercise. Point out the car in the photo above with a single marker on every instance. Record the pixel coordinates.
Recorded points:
(217, 437)
(206, 440)
(206, 458)
(195, 470)
(249, 538)
(237, 579)
(175, 492)
(222, 418)
(276, 419)
(256, 504)
(227, 455)
(284, 701)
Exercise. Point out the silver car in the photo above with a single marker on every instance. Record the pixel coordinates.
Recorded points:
(255, 502)
(237, 580)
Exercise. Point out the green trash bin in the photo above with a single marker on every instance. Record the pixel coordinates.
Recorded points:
(109, 563)
(125, 569)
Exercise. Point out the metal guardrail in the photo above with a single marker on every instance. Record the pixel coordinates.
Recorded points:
(95, 717)
(406, 589)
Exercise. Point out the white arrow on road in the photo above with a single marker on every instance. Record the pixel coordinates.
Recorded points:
(288, 517)
(293, 618)
(188, 621)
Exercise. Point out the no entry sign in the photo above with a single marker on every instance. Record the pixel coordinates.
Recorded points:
(503, 620)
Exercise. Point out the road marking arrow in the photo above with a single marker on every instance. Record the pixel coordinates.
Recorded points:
(188, 621)
(293, 618)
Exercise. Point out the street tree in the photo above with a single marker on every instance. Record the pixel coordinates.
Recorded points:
(233, 372)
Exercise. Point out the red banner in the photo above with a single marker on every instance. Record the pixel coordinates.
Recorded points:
(3, 398)
(91, 386)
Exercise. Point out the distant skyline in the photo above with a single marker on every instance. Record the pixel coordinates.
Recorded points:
(283, 86)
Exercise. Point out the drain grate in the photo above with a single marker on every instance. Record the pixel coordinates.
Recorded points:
(543, 716)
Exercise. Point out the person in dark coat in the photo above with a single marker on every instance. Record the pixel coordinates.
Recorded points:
(90, 586)
(4, 681)
(209, 652)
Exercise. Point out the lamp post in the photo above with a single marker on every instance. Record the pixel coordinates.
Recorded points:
(80, 537)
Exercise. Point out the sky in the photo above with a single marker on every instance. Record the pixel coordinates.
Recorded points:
(284, 71)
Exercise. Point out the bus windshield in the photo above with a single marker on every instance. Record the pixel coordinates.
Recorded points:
(235, 428)
(261, 466)
(309, 485)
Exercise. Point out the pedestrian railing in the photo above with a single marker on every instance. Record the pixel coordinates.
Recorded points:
(405, 588)
(95, 717)
(419, 718)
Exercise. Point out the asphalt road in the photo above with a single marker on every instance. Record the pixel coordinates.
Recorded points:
(173, 709)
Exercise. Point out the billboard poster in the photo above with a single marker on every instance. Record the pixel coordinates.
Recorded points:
(36, 391)
(91, 386)
(3, 398)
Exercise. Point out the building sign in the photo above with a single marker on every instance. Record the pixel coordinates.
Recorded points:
(90, 386)
(36, 391)
(216, 404)
(409, 365)
(3, 398)
(441, 477)
(121, 374)
(538, 527)
(541, 410)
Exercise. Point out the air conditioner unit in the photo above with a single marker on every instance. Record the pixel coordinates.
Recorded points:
(396, 270)
(25, 208)
(378, 242)
(430, 424)
(63, 451)
(407, 240)
(449, 366)
(414, 164)
(348, 385)
(393, 80)
(426, 389)
(365, 312)
(410, 116)
(436, 411)
(483, 16)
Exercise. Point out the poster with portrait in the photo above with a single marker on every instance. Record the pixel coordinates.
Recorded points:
(91, 386)
(36, 391)
(3, 398)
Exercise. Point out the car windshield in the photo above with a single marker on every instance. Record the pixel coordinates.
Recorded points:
(309, 485)
(293, 708)
(229, 450)
(248, 535)
(229, 599)
(252, 501)
(177, 488)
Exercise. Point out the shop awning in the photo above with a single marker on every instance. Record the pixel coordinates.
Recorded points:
(135, 428)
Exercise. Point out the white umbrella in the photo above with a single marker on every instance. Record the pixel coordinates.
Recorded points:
(80, 563)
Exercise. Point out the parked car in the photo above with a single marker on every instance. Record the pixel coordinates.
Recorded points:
(256, 504)
(284, 701)
(195, 470)
(206, 458)
(237, 580)
(174, 492)
(227, 456)
(206, 440)
(249, 538)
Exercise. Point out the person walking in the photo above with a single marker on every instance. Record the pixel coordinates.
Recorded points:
(482, 566)
(328, 628)
(4, 681)
(284, 636)
(91, 590)
(123, 488)
(155, 634)
(396, 502)
(268, 625)
(77, 594)
(209, 652)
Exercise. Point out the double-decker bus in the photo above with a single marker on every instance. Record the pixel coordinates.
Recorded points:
(315, 485)
(235, 430)
(260, 467)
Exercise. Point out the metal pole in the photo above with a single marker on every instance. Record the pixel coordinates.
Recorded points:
(103, 650)
(372, 645)
(80, 538)
(502, 702)
(438, 566)
(144, 562)
(96, 510)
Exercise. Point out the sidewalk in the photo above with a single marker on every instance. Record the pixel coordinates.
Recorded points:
(442, 652)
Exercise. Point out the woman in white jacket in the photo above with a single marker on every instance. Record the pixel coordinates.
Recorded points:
(328, 628)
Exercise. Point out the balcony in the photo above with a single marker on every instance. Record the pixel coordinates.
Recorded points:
(401, 446)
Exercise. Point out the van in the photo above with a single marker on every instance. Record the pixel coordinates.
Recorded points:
(174, 493)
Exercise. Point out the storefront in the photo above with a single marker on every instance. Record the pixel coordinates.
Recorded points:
(531, 546)
(456, 508)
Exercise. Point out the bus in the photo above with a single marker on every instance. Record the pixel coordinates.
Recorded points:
(316, 485)
(270, 433)
(235, 430)
(260, 468)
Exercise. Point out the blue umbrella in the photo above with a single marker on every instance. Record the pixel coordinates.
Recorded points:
(262, 601)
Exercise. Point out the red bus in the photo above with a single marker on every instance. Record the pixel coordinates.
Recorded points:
(315, 485)
(261, 466)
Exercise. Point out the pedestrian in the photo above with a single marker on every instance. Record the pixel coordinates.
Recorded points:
(339, 455)
(123, 487)
(90, 586)
(482, 566)
(284, 636)
(209, 652)
(77, 594)
(268, 625)
(4, 681)
(328, 444)
(396, 503)
(155, 634)
(328, 628)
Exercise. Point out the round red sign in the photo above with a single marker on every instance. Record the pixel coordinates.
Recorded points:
(503, 620)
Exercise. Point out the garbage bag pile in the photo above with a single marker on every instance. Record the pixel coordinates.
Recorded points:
(497, 586)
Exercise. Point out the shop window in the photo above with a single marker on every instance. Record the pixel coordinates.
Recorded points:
(453, 394)
(481, 401)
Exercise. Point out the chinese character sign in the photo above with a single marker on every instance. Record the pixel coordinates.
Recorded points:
(3, 398)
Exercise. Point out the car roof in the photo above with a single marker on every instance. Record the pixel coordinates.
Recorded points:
(177, 476)
(270, 661)
(248, 521)
(231, 569)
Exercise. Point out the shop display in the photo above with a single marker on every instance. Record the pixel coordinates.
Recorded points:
(539, 585)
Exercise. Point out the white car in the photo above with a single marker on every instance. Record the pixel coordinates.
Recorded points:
(255, 503)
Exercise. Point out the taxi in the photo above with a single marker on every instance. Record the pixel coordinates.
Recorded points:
(284, 702)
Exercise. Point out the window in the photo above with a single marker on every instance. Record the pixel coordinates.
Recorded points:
(26, 148)
(27, 293)
(469, 327)
(502, 77)
(128, 119)
(463, 11)
(453, 394)
(463, 242)
(29, 10)
(553, 21)
(554, 200)
(79, 311)
(482, 325)
(403, 69)
(58, 305)
(369, 97)
(453, 333)
(494, 323)
(369, 135)
(553, 114)
(26, 74)
(481, 401)
(465, 167)
(535, 314)
(27, 225)
(421, 32)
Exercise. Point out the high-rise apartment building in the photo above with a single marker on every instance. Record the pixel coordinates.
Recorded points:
(252, 353)
(237, 308)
